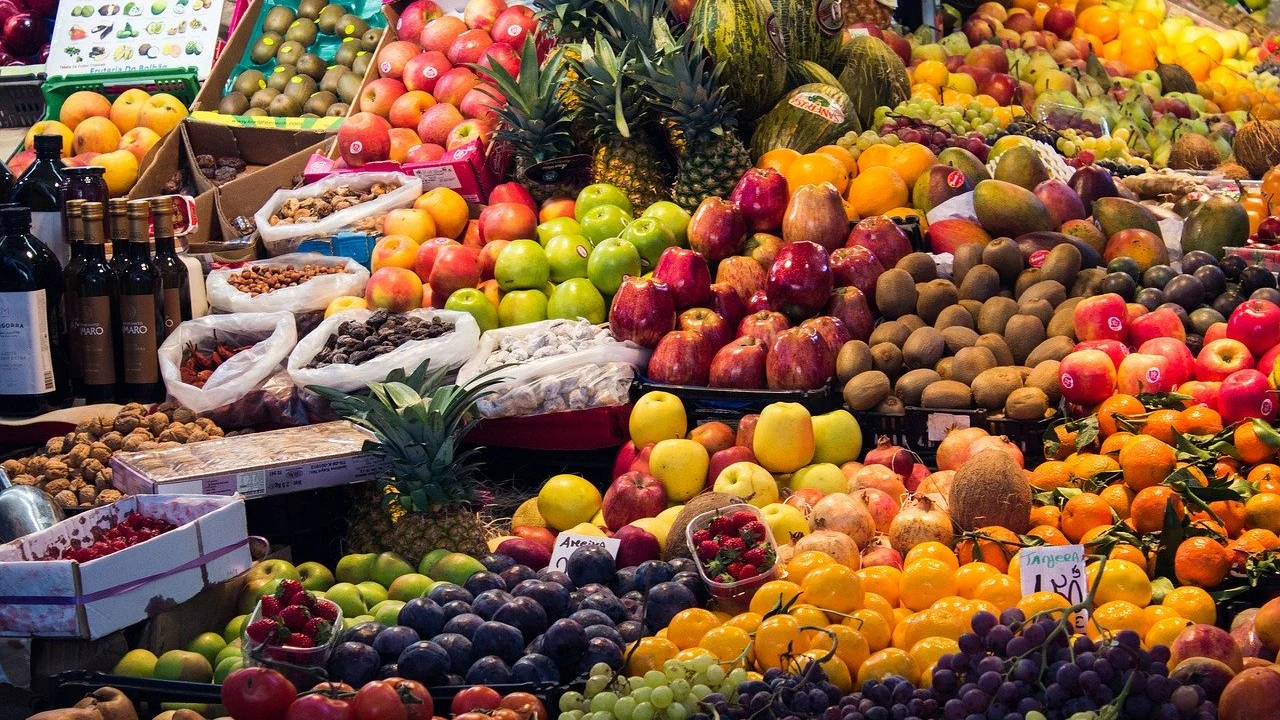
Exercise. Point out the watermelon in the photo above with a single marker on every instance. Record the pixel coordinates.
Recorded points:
(873, 75)
(744, 36)
(805, 119)
(811, 29)
(807, 71)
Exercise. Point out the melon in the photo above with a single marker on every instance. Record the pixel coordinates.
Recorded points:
(873, 75)
(744, 36)
(804, 120)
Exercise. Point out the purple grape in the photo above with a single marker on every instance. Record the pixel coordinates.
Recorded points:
(983, 622)
(975, 701)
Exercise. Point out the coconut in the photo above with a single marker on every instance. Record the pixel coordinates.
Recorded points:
(677, 542)
(1174, 78)
(1257, 146)
(1193, 152)
(1232, 171)
(990, 489)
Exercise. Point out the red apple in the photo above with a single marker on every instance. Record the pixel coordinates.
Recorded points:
(1221, 358)
(1246, 394)
(635, 546)
(1159, 323)
(469, 47)
(798, 360)
(481, 14)
(701, 320)
(424, 153)
(763, 325)
(1256, 323)
(1101, 317)
(407, 110)
(1205, 393)
(489, 257)
(758, 302)
(762, 196)
(882, 236)
(1182, 364)
(1141, 373)
(799, 280)
(1216, 331)
(856, 267)
(556, 207)
(685, 272)
(898, 44)
(717, 229)
(849, 305)
(455, 267)
(1087, 377)
(1060, 21)
(1114, 349)
(427, 254)
(480, 101)
(415, 17)
(363, 138)
(740, 364)
(507, 221)
(631, 496)
(440, 33)
(437, 122)
(1002, 87)
(513, 25)
(454, 85)
(622, 461)
(512, 192)
(724, 458)
(1267, 362)
(468, 131)
(393, 57)
(728, 304)
(832, 330)
(379, 95)
(424, 70)
(500, 54)
(643, 311)
(763, 248)
(682, 357)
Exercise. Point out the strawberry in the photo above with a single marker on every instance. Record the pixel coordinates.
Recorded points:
(288, 588)
(745, 571)
(261, 631)
(735, 569)
(295, 617)
(318, 629)
(742, 517)
(271, 606)
(754, 556)
(722, 524)
(326, 609)
(302, 598)
(707, 550)
(298, 640)
(701, 536)
(752, 531)
(733, 545)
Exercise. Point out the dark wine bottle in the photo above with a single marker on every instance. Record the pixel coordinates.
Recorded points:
(74, 228)
(86, 183)
(33, 344)
(99, 299)
(141, 319)
(118, 231)
(39, 189)
(6, 182)
(173, 272)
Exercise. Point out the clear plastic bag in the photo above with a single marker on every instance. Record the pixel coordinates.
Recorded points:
(282, 238)
(451, 349)
(580, 388)
(312, 295)
(249, 388)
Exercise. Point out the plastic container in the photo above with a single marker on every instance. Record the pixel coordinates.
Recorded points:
(21, 102)
(291, 662)
(734, 597)
(180, 83)
(876, 424)
(357, 246)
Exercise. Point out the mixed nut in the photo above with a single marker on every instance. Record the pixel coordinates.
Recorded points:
(561, 338)
(358, 342)
(261, 279)
(315, 209)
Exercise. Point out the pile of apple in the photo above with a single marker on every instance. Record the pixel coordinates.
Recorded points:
(25, 27)
(426, 101)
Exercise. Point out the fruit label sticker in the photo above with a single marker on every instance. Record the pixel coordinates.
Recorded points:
(563, 169)
(824, 106)
(955, 179)
(830, 16)
(1115, 324)
(939, 424)
(1056, 569)
(567, 542)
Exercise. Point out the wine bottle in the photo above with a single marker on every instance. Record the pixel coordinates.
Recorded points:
(141, 319)
(173, 272)
(39, 189)
(74, 228)
(6, 182)
(118, 231)
(33, 345)
(99, 299)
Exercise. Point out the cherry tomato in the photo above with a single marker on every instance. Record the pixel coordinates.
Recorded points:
(257, 693)
(526, 705)
(480, 697)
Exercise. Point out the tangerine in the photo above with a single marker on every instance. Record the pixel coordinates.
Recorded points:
(1121, 580)
(776, 594)
(1146, 461)
(872, 626)
(1083, 513)
(1050, 475)
(1250, 446)
(972, 574)
(803, 563)
(1146, 512)
(1166, 630)
(835, 587)
(1201, 561)
(1050, 535)
(1118, 404)
(688, 626)
(931, 549)
(1001, 591)
(910, 161)
(882, 580)
(1118, 496)
(886, 662)
(1159, 425)
(995, 545)
(1198, 420)
(727, 643)
(851, 646)
(1192, 603)
(1114, 616)
(1048, 515)
(925, 581)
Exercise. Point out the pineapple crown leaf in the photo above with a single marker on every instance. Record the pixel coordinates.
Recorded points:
(608, 92)
(534, 118)
(685, 84)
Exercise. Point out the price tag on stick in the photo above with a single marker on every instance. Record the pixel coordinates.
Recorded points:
(1058, 569)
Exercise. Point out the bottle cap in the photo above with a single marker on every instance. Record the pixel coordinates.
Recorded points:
(16, 217)
(49, 142)
(139, 209)
(91, 210)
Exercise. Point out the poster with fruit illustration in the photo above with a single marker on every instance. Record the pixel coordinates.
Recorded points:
(92, 36)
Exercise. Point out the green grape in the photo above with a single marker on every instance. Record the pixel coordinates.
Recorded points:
(700, 691)
(702, 662)
(643, 711)
(571, 700)
(737, 676)
(604, 702)
(670, 665)
(595, 684)
(573, 715)
(601, 669)
(662, 697)
(655, 678)
(635, 682)
(675, 673)
(715, 674)
(680, 687)
(643, 694)
(677, 712)
(625, 706)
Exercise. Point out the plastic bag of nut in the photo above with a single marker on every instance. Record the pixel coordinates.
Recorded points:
(344, 202)
(297, 283)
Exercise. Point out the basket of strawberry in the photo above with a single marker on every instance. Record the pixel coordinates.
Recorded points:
(292, 630)
(735, 552)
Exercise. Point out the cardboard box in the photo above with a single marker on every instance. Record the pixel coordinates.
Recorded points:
(165, 159)
(243, 196)
(64, 598)
(464, 169)
(270, 463)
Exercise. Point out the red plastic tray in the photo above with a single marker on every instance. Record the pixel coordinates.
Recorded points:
(574, 430)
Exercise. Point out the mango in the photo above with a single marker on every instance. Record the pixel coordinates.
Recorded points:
(1215, 224)
(937, 185)
(1008, 210)
(1022, 167)
(1114, 214)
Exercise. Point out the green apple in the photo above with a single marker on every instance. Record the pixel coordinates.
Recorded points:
(577, 298)
(522, 265)
(604, 222)
(387, 612)
(388, 567)
(824, 477)
(408, 587)
(226, 667)
(355, 568)
(208, 644)
(650, 237)
(594, 196)
(371, 592)
(232, 649)
(259, 575)
(476, 304)
(567, 255)
(673, 217)
(610, 262)
(234, 628)
(424, 567)
(315, 576)
(522, 306)
(349, 598)
(557, 226)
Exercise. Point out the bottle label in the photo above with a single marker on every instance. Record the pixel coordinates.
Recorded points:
(97, 347)
(47, 227)
(138, 335)
(172, 310)
(26, 360)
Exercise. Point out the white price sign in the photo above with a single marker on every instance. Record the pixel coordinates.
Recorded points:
(567, 542)
(1058, 569)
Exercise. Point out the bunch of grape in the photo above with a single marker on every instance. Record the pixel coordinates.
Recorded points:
(782, 696)
(1033, 130)
(679, 691)
(936, 139)
(974, 117)
(1269, 67)
(855, 143)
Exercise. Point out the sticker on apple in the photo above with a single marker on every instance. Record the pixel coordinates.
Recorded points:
(1114, 323)
(1067, 381)
(355, 147)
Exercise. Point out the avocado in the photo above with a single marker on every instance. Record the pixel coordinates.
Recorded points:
(249, 82)
(277, 20)
(265, 47)
(320, 102)
(280, 77)
(304, 30)
(311, 9)
(310, 64)
(233, 104)
(327, 18)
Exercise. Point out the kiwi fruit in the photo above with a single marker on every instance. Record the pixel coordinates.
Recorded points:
(974, 308)
(278, 20)
(981, 283)
(265, 47)
(261, 99)
(1087, 282)
(1038, 307)
(303, 30)
(866, 390)
(289, 52)
(319, 103)
(958, 337)
(966, 258)
(953, 316)
(920, 265)
(312, 66)
(328, 17)
(1022, 334)
(234, 103)
(1003, 255)
(933, 297)
(971, 362)
(300, 88)
(895, 293)
(1062, 325)
(995, 314)
(998, 347)
(854, 358)
(892, 405)
(361, 64)
(1026, 279)
(1050, 290)
(311, 9)
(911, 385)
(677, 538)
(279, 78)
(351, 26)
(349, 87)
(944, 367)
(1026, 403)
(924, 348)
(338, 109)
(1054, 348)
(283, 105)
(1062, 264)
(887, 358)
(255, 112)
(911, 322)
(346, 52)
(1045, 377)
(890, 332)
(370, 39)
(947, 395)
(249, 82)
(329, 81)
(992, 387)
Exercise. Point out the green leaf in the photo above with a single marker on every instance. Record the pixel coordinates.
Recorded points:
(1171, 536)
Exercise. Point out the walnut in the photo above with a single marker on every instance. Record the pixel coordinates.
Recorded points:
(182, 415)
(197, 435)
(83, 437)
(157, 422)
(25, 479)
(205, 424)
(102, 480)
(13, 468)
(56, 470)
(133, 443)
(110, 495)
(77, 483)
(180, 433)
(169, 444)
(55, 445)
(127, 423)
(66, 498)
(100, 451)
(113, 440)
(91, 467)
(35, 464)
(134, 408)
(87, 494)
(150, 445)
(78, 455)
(53, 487)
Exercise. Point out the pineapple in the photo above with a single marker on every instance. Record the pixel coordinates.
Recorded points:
(427, 502)
(684, 85)
(570, 21)
(534, 122)
(625, 155)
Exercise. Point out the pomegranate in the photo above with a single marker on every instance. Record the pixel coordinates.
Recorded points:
(919, 472)
(880, 504)
(880, 553)
(843, 513)
(954, 450)
(1001, 443)
(900, 460)
(937, 487)
(836, 544)
(920, 520)
(880, 478)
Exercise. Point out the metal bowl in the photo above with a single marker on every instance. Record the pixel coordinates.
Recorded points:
(24, 510)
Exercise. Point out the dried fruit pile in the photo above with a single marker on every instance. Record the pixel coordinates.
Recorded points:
(130, 531)
(358, 342)
(198, 366)
(261, 279)
(315, 209)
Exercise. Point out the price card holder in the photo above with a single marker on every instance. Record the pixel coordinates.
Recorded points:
(1058, 569)
(567, 542)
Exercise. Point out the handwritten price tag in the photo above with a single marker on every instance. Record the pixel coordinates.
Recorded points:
(567, 542)
(1058, 569)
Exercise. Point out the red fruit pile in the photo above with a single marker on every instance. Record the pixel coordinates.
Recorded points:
(132, 530)
(734, 547)
(293, 618)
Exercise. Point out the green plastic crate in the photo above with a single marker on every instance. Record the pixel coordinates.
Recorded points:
(181, 83)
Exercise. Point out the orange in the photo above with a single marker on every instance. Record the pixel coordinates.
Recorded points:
(931, 549)
(882, 580)
(778, 159)
(1049, 475)
(1146, 512)
(728, 643)
(1265, 477)
(1202, 562)
(910, 160)
(1146, 461)
(1118, 496)
(851, 646)
(1113, 443)
(688, 626)
(876, 190)
(1192, 603)
(1048, 515)
(1250, 446)
(815, 169)
(890, 661)
(1101, 21)
(1159, 424)
(835, 587)
(873, 156)
(1198, 420)
(872, 626)
(776, 594)
(1001, 591)
(1050, 535)
(1121, 580)
(971, 575)
(998, 545)
(931, 72)
(1083, 513)
(1115, 616)
(1263, 511)
(925, 581)
(843, 155)
(649, 653)
(803, 563)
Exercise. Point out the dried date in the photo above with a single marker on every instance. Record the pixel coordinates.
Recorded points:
(359, 342)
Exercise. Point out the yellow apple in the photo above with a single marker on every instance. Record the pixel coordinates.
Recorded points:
(823, 477)
(656, 527)
(836, 438)
(748, 481)
(657, 416)
(567, 500)
(669, 515)
(681, 465)
(346, 302)
(598, 518)
(586, 528)
(783, 441)
(786, 522)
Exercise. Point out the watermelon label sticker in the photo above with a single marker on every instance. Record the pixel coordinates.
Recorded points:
(774, 30)
(824, 106)
(830, 16)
